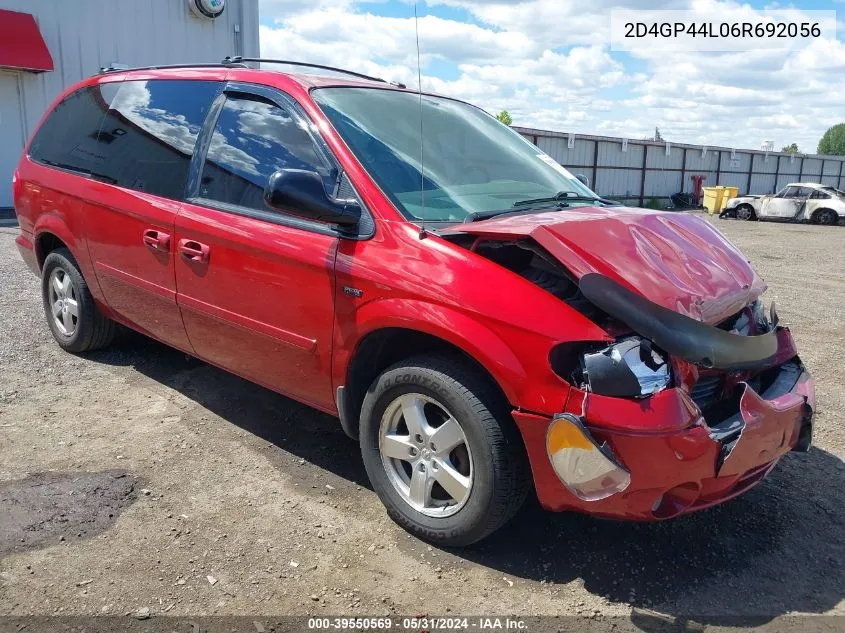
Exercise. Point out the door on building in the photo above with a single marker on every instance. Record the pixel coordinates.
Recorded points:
(255, 286)
(12, 133)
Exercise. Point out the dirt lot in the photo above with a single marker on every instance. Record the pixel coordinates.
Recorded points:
(175, 487)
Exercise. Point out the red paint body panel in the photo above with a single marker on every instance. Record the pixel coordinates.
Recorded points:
(447, 291)
(676, 260)
(50, 202)
(27, 250)
(269, 302)
(23, 46)
(770, 427)
(138, 282)
(683, 460)
(263, 303)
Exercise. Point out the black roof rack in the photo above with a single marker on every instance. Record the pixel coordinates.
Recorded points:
(123, 67)
(241, 60)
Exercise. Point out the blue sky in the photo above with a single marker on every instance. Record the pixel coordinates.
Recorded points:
(549, 63)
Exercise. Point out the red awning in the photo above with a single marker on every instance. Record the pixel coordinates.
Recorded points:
(21, 45)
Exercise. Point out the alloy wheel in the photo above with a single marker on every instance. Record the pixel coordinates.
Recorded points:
(743, 213)
(64, 303)
(426, 455)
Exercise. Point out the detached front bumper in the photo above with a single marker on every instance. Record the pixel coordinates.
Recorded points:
(689, 465)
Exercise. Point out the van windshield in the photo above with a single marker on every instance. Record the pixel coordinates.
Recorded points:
(472, 164)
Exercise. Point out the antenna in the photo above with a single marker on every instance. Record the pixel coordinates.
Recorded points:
(422, 152)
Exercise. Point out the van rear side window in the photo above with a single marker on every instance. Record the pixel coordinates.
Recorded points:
(68, 137)
(150, 132)
(135, 134)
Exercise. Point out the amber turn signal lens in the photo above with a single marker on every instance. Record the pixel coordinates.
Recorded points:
(588, 470)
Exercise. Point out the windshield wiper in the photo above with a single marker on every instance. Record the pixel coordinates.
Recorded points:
(560, 196)
(560, 200)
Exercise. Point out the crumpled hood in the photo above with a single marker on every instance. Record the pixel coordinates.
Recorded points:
(676, 260)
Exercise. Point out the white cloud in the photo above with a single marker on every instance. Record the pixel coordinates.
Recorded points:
(548, 63)
(555, 23)
(133, 102)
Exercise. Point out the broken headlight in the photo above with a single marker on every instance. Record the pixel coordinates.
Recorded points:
(632, 368)
(753, 320)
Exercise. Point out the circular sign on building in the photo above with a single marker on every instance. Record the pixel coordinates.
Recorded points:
(207, 8)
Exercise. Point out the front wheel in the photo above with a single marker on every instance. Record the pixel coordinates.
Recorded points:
(745, 212)
(440, 453)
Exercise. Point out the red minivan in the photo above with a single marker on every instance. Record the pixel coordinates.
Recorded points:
(476, 316)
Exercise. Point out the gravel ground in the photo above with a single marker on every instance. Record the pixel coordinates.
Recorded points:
(200, 493)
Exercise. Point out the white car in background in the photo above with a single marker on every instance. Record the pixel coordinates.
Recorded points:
(799, 201)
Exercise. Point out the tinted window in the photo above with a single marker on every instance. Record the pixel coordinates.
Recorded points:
(150, 131)
(252, 139)
(68, 137)
(818, 194)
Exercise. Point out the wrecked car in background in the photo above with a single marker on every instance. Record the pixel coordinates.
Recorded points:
(479, 320)
(797, 202)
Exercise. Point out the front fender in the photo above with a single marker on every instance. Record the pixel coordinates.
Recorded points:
(525, 378)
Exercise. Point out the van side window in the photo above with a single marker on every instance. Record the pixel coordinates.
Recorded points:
(68, 137)
(150, 131)
(252, 139)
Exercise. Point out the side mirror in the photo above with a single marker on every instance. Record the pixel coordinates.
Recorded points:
(301, 192)
(583, 179)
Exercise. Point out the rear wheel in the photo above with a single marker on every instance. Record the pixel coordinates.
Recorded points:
(441, 454)
(745, 212)
(74, 319)
(826, 216)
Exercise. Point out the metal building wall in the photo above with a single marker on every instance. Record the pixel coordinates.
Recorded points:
(85, 35)
(646, 171)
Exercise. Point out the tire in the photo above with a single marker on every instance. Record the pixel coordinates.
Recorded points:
(492, 458)
(745, 212)
(88, 329)
(827, 217)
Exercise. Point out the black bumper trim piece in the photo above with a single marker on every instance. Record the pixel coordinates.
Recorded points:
(679, 335)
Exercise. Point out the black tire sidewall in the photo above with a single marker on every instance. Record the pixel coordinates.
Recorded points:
(77, 341)
(470, 522)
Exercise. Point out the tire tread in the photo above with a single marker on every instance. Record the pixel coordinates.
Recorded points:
(97, 330)
(491, 412)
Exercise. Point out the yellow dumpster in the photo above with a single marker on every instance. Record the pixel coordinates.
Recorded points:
(730, 192)
(714, 199)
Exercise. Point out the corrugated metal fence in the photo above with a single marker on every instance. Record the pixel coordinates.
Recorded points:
(635, 171)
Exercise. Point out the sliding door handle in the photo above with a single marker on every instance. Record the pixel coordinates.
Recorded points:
(194, 251)
(156, 240)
